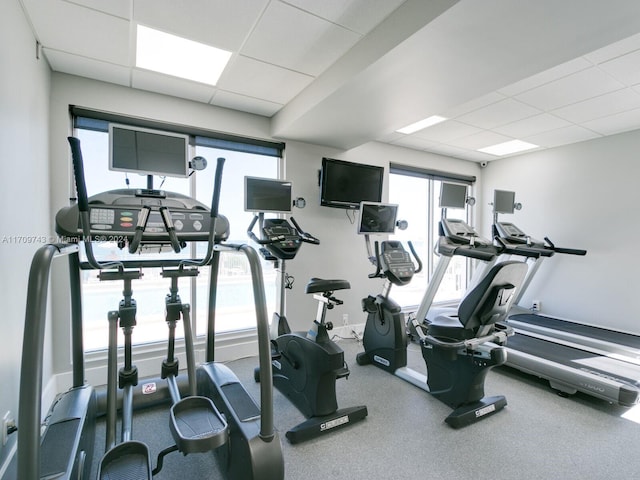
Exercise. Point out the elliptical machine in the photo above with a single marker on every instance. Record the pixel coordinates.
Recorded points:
(218, 415)
(459, 349)
(305, 365)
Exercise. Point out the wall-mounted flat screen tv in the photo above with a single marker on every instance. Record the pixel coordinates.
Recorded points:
(346, 184)
(148, 152)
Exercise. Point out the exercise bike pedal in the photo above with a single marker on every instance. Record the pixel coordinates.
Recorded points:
(197, 425)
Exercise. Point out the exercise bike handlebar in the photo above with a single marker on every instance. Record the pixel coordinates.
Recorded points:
(254, 237)
(378, 274)
(304, 236)
(415, 255)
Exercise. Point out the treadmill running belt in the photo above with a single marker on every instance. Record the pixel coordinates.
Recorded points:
(604, 334)
(573, 357)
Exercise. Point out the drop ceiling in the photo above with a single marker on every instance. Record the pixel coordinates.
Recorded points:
(345, 72)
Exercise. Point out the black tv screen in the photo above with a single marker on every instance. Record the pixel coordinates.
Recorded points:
(148, 152)
(377, 218)
(346, 184)
(453, 195)
(267, 195)
(503, 201)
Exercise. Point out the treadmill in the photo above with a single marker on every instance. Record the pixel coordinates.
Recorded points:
(573, 357)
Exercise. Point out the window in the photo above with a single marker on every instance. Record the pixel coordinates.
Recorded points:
(417, 194)
(235, 305)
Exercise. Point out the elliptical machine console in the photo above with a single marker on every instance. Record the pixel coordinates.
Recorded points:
(305, 365)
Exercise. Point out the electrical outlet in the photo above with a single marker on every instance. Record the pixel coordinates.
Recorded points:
(535, 305)
(345, 319)
(7, 421)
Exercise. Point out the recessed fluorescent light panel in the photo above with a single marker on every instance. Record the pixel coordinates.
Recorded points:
(427, 122)
(506, 148)
(179, 57)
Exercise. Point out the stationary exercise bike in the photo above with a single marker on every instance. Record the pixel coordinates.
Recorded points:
(305, 365)
(459, 349)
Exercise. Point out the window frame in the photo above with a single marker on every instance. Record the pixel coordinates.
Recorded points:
(99, 121)
(431, 176)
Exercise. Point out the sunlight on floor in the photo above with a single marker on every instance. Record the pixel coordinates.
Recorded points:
(632, 414)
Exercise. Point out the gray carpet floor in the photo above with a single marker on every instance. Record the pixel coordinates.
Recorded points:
(539, 435)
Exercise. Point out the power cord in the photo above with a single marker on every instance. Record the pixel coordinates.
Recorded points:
(288, 281)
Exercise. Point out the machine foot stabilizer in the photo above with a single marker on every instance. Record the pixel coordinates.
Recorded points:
(472, 412)
(316, 426)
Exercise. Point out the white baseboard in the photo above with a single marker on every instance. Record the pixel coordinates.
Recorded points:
(348, 331)
(5, 465)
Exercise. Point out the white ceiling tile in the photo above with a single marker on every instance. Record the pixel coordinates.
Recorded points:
(614, 50)
(167, 85)
(242, 103)
(119, 8)
(390, 137)
(412, 141)
(532, 125)
(219, 23)
(571, 89)
(291, 38)
(554, 73)
(499, 113)
(446, 131)
(456, 152)
(561, 136)
(253, 78)
(601, 106)
(358, 15)
(76, 29)
(479, 140)
(625, 68)
(88, 67)
(620, 122)
(474, 104)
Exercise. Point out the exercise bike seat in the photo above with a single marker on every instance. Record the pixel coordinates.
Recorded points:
(317, 285)
(487, 303)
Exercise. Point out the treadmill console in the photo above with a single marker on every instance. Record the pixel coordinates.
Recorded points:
(459, 231)
(396, 263)
(510, 232)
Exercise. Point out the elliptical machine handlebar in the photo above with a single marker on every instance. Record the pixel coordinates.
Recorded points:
(215, 207)
(83, 206)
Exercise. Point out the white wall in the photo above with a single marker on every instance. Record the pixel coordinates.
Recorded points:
(341, 253)
(24, 195)
(581, 196)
